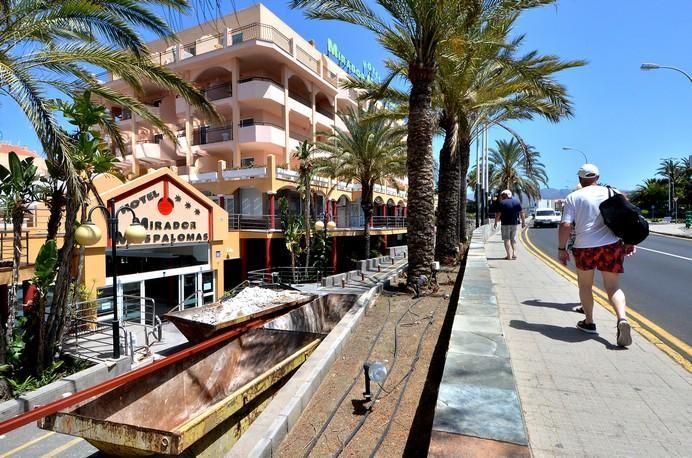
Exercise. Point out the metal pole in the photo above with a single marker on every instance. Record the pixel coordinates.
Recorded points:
(478, 175)
(487, 183)
(113, 225)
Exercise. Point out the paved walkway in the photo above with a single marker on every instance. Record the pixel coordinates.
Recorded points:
(671, 229)
(580, 394)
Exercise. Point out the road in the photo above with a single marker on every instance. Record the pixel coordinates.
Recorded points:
(657, 280)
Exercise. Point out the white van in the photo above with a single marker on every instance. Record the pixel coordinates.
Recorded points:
(546, 217)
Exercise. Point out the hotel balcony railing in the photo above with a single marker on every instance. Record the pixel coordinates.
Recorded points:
(301, 99)
(325, 112)
(206, 135)
(240, 222)
(306, 59)
(261, 32)
(217, 92)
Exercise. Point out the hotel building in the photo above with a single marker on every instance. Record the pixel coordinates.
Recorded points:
(221, 181)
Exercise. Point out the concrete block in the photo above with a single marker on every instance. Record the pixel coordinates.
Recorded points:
(11, 408)
(485, 324)
(97, 374)
(45, 394)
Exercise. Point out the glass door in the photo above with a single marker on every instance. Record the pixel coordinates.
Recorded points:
(207, 287)
(189, 290)
(132, 301)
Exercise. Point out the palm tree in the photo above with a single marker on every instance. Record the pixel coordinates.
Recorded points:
(412, 31)
(369, 150)
(511, 172)
(650, 194)
(53, 46)
(18, 187)
(306, 172)
(672, 170)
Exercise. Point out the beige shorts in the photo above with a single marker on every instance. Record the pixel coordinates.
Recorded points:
(509, 232)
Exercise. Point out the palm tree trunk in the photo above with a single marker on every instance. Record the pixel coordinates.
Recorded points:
(17, 220)
(464, 157)
(419, 165)
(447, 243)
(366, 205)
(57, 203)
(58, 311)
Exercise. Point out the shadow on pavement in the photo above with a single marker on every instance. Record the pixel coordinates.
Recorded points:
(554, 305)
(565, 334)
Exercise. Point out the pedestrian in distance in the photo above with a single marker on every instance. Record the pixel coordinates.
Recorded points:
(508, 213)
(596, 247)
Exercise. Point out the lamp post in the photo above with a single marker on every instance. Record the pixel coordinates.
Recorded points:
(569, 148)
(89, 234)
(650, 66)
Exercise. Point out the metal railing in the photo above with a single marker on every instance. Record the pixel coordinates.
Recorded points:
(7, 247)
(388, 222)
(206, 135)
(239, 222)
(287, 275)
(219, 91)
(258, 31)
(306, 59)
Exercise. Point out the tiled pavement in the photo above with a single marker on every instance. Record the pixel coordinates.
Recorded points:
(580, 394)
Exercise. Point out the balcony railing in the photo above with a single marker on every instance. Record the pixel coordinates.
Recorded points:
(325, 112)
(219, 91)
(207, 135)
(306, 59)
(262, 32)
(301, 99)
(7, 248)
(288, 275)
(239, 222)
(260, 78)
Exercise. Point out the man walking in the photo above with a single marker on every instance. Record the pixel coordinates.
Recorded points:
(595, 247)
(508, 212)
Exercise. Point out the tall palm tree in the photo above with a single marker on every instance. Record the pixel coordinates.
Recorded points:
(18, 189)
(510, 171)
(55, 46)
(368, 150)
(412, 30)
(672, 170)
(306, 172)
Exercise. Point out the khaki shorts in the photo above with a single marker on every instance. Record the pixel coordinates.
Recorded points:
(509, 232)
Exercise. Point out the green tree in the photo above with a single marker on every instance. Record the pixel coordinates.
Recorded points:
(54, 46)
(653, 193)
(672, 170)
(306, 172)
(369, 150)
(292, 227)
(510, 171)
(19, 187)
(412, 30)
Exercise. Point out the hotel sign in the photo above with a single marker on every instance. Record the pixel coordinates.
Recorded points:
(366, 72)
(169, 213)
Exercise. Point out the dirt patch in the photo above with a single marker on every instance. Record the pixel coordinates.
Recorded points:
(403, 333)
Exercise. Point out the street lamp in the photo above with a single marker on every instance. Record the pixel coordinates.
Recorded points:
(89, 234)
(650, 66)
(569, 148)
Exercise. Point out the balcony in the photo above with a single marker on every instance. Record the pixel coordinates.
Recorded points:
(246, 173)
(259, 88)
(206, 177)
(260, 32)
(149, 152)
(238, 222)
(218, 92)
(300, 104)
(207, 135)
(267, 133)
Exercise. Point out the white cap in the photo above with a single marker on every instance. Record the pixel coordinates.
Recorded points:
(588, 171)
(506, 192)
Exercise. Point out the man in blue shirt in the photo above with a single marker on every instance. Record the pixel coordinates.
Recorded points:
(509, 212)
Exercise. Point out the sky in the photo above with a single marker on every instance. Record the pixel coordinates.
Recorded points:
(625, 120)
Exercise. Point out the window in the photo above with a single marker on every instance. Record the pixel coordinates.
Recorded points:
(247, 122)
(236, 38)
(247, 162)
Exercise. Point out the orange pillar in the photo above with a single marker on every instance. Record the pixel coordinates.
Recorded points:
(272, 211)
(334, 258)
(268, 254)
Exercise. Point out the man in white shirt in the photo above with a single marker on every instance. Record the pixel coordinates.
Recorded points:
(595, 247)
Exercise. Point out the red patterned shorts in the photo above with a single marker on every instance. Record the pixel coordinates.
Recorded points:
(607, 258)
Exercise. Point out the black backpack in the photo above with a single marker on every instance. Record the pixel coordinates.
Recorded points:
(624, 218)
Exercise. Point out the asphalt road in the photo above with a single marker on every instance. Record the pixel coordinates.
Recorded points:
(657, 281)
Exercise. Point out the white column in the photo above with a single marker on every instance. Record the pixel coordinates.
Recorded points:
(285, 74)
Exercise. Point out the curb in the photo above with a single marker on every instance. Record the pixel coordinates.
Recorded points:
(478, 408)
(64, 387)
(680, 236)
(263, 438)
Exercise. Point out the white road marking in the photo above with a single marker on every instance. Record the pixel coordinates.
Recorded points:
(664, 253)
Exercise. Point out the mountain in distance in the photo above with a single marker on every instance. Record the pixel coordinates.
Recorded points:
(552, 193)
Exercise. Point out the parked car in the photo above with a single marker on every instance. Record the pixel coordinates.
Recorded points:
(546, 217)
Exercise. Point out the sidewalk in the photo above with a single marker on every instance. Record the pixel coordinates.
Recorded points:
(580, 394)
(678, 230)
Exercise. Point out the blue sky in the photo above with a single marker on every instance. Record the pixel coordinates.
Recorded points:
(626, 120)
